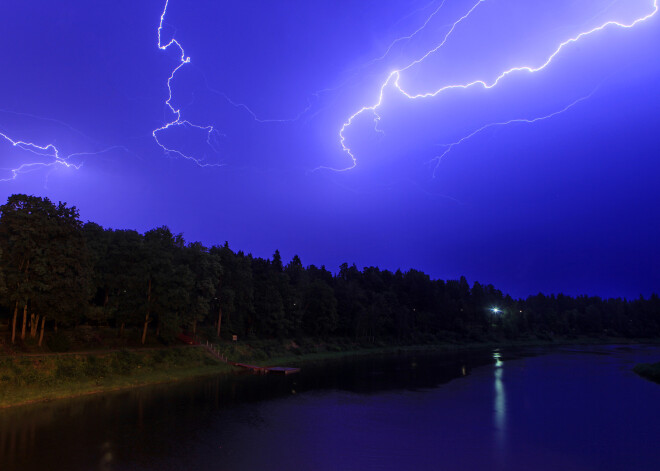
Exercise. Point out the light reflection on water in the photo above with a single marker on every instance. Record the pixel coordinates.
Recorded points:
(499, 406)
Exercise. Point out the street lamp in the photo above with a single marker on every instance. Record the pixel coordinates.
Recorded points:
(496, 311)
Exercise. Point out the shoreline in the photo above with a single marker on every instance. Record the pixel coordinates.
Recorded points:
(199, 364)
(300, 360)
(50, 377)
(648, 371)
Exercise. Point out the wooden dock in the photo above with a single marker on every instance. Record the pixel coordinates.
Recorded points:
(283, 370)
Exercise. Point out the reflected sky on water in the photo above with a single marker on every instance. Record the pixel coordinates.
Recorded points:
(566, 408)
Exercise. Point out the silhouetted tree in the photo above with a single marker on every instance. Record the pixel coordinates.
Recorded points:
(45, 260)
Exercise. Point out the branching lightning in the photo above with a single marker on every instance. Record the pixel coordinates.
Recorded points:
(256, 117)
(48, 150)
(50, 155)
(183, 60)
(411, 35)
(450, 147)
(393, 79)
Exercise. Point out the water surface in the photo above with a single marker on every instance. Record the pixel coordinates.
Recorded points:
(541, 409)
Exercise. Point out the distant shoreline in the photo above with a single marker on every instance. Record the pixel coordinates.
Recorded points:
(650, 371)
(33, 378)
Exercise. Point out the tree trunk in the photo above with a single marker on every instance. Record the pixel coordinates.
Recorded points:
(24, 322)
(147, 319)
(219, 292)
(121, 330)
(144, 330)
(219, 320)
(13, 324)
(34, 325)
(41, 335)
(194, 328)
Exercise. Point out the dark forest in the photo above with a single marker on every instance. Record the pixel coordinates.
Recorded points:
(57, 272)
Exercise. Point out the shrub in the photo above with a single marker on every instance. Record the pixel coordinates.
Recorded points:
(59, 342)
(164, 356)
(86, 334)
(124, 362)
(96, 367)
(69, 368)
(209, 361)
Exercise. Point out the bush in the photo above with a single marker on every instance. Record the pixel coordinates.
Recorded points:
(124, 362)
(59, 342)
(164, 356)
(29, 375)
(96, 367)
(86, 334)
(209, 361)
(69, 368)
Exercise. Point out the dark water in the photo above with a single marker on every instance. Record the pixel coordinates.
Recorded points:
(561, 409)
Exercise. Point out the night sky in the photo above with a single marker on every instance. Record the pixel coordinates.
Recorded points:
(334, 130)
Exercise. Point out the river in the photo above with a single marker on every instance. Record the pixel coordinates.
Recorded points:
(564, 408)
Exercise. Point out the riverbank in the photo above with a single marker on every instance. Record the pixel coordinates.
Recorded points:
(331, 351)
(26, 379)
(38, 378)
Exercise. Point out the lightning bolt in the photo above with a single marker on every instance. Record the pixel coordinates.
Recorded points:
(177, 121)
(394, 77)
(255, 116)
(450, 147)
(50, 151)
(411, 35)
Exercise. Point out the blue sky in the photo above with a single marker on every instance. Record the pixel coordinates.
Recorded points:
(276, 147)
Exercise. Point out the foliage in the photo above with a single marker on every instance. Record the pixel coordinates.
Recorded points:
(44, 258)
(54, 266)
(59, 342)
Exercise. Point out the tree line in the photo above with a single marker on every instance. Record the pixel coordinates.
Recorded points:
(56, 272)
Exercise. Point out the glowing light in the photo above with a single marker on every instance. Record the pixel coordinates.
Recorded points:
(394, 77)
(495, 310)
(497, 356)
(183, 60)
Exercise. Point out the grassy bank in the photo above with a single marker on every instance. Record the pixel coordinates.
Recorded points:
(26, 379)
(33, 378)
(300, 351)
(650, 371)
